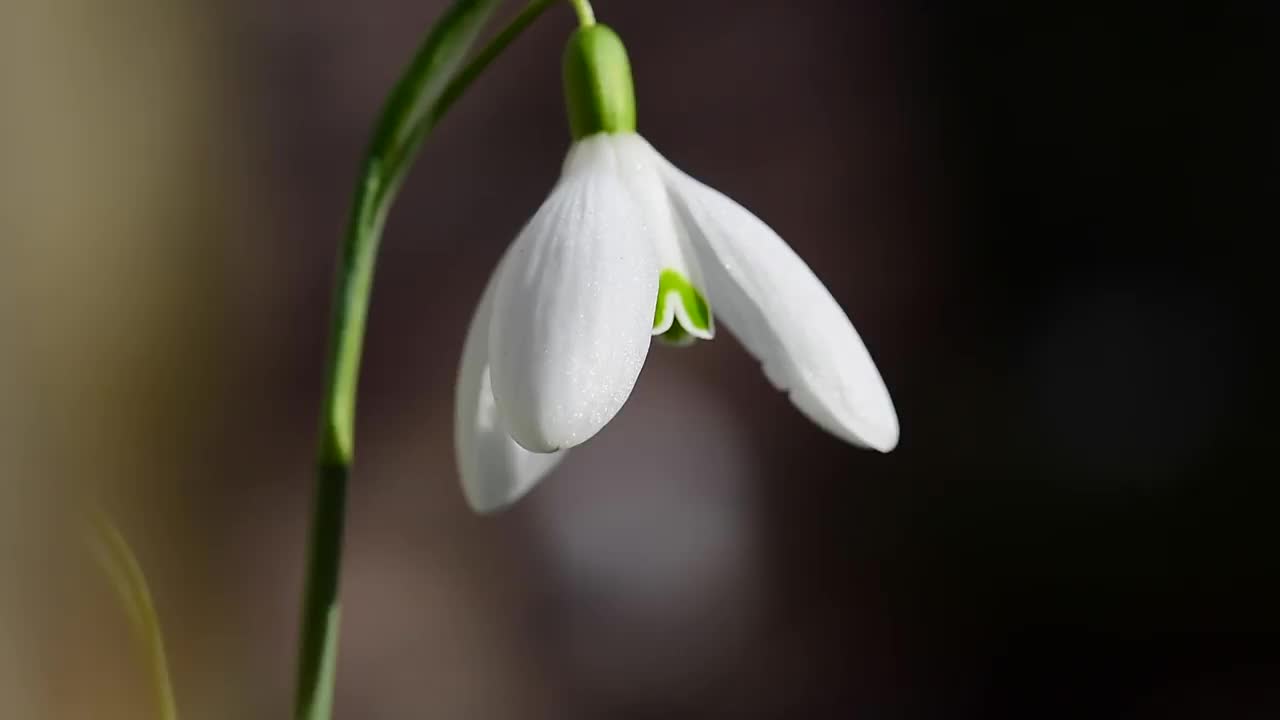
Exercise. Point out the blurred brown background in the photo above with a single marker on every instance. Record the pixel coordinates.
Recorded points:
(1040, 216)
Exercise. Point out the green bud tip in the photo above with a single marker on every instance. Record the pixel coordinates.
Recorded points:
(598, 92)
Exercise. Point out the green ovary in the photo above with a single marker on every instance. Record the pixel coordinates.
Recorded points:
(598, 91)
(674, 286)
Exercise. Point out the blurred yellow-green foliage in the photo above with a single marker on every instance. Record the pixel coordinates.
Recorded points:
(114, 190)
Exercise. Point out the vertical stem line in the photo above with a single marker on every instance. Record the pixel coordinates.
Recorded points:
(411, 112)
(318, 652)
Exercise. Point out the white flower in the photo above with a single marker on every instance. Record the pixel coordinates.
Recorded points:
(626, 247)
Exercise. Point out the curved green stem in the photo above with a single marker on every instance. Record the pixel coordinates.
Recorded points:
(397, 167)
(586, 16)
(428, 89)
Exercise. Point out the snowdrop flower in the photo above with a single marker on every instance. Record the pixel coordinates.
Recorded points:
(628, 247)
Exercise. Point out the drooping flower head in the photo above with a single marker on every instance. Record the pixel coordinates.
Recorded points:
(625, 248)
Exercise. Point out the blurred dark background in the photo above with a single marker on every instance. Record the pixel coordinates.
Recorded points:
(1044, 218)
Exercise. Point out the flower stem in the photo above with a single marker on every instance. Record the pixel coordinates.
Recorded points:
(428, 89)
(586, 16)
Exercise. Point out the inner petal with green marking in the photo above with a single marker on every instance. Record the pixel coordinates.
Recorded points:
(682, 314)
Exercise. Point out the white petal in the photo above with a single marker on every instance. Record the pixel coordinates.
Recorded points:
(783, 315)
(573, 307)
(495, 470)
(643, 178)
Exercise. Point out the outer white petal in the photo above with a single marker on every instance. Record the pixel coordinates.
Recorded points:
(783, 314)
(574, 306)
(495, 470)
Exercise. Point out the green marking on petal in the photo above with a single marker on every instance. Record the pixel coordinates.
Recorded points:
(686, 321)
(676, 336)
